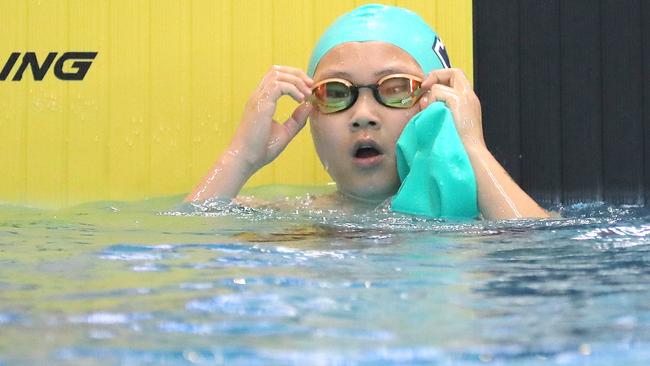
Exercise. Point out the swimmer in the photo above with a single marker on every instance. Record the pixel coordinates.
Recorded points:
(353, 95)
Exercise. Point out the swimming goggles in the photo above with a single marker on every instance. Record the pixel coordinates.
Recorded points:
(393, 91)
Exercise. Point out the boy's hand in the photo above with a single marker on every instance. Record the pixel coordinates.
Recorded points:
(259, 138)
(452, 87)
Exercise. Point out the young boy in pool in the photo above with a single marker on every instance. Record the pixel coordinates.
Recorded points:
(359, 71)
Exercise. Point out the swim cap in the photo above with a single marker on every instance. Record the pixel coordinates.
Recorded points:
(398, 26)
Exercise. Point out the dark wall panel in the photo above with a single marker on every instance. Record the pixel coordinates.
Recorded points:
(622, 96)
(539, 67)
(500, 106)
(645, 39)
(572, 78)
(581, 105)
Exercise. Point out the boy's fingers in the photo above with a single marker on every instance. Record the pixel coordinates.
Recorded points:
(284, 133)
(294, 71)
(298, 119)
(443, 88)
(280, 88)
(298, 82)
(441, 93)
(433, 78)
(265, 102)
(453, 78)
(436, 93)
(442, 76)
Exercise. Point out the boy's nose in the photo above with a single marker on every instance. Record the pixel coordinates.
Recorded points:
(364, 111)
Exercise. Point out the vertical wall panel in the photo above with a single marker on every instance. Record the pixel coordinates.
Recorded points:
(581, 100)
(496, 44)
(171, 98)
(87, 125)
(211, 115)
(128, 58)
(622, 95)
(363, 2)
(47, 114)
(645, 39)
(540, 100)
(13, 105)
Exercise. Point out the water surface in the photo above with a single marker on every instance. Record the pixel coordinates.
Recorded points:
(152, 283)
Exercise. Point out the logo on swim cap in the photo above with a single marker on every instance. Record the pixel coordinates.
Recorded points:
(440, 51)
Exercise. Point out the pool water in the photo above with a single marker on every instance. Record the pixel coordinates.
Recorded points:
(153, 283)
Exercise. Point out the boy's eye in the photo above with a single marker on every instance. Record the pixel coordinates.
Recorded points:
(398, 92)
(396, 87)
(336, 90)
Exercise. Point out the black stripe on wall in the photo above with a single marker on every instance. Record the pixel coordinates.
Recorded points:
(581, 107)
(622, 95)
(498, 74)
(539, 66)
(565, 90)
(645, 41)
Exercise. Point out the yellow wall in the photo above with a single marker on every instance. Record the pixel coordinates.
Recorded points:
(165, 92)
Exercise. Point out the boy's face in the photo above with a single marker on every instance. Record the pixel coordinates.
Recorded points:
(357, 145)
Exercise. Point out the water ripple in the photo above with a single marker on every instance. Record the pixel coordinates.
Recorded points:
(580, 354)
(617, 236)
(108, 318)
(257, 256)
(246, 304)
(229, 328)
(6, 318)
(129, 252)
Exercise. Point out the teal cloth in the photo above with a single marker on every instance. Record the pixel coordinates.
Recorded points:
(433, 166)
(374, 22)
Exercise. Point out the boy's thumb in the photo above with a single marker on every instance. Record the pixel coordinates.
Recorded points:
(298, 119)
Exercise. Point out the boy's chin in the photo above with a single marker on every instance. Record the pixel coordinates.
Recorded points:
(363, 194)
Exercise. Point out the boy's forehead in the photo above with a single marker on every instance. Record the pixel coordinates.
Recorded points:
(373, 58)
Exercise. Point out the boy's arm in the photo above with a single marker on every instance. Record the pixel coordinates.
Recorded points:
(499, 197)
(224, 180)
(259, 138)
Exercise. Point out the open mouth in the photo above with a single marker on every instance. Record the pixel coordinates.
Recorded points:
(367, 153)
(364, 152)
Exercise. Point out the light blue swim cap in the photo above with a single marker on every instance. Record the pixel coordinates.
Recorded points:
(398, 26)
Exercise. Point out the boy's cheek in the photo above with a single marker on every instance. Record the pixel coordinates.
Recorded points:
(313, 115)
(321, 133)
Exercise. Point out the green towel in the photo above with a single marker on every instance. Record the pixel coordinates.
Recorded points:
(437, 177)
